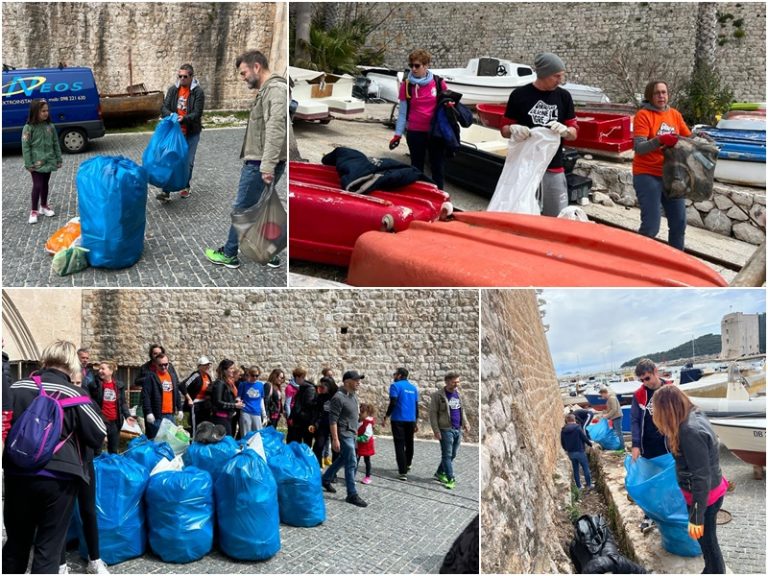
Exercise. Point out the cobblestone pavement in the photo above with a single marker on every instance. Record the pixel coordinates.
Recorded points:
(176, 232)
(742, 540)
(407, 527)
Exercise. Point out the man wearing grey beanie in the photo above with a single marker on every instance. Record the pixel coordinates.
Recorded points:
(543, 104)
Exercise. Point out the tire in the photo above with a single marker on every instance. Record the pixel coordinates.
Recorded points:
(73, 140)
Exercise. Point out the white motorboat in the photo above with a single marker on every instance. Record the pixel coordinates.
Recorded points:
(716, 385)
(385, 83)
(312, 88)
(486, 79)
(745, 437)
(741, 173)
(737, 402)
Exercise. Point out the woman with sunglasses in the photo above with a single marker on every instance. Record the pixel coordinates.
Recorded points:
(273, 396)
(418, 104)
(224, 399)
(695, 448)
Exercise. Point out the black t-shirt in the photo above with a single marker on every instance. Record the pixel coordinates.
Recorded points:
(529, 106)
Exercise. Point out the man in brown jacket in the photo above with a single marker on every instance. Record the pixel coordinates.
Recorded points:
(447, 418)
(613, 413)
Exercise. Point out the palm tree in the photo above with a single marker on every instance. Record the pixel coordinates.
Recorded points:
(706, 36)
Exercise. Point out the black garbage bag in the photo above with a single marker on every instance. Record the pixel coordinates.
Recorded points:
(689, 169)
(594, 549)
(464, 555)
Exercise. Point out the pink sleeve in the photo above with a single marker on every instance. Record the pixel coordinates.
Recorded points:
(401, 92)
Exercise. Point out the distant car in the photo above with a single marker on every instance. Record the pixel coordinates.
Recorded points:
(73, 101)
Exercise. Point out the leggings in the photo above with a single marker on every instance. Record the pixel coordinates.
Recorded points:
(86, 502)
(40, 189)
(367, 460)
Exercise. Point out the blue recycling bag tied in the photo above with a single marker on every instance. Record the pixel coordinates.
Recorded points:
(120, 486)
(112, 200)
(180, 514)
(148, 453)
(273, 441)
(299, 485)
(211, 457)
(604, 435)
(165, 157)
(246, 508)
(652, 484)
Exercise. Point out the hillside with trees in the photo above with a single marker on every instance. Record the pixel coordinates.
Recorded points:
(706, 345)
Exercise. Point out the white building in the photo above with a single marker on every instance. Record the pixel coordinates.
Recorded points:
(740, 335)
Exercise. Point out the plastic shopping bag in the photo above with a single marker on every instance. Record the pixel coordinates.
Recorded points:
(70, 260)
(262, 229)
(165, 158)
(175, 436)
(65, 237)
(523, 170)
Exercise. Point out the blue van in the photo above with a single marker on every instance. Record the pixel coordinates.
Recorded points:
(73, 101)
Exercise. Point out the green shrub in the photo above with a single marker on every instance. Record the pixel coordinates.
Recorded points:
(703, 97)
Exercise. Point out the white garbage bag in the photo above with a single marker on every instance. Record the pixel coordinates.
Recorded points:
(523, 170)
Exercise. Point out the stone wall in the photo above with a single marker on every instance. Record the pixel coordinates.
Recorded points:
(524, 471)
(374, 331)
(155, 37)
(585, 35)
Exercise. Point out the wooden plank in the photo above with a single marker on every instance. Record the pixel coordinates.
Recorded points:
(729, 252)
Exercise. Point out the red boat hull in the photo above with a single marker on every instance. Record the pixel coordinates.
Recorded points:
(501, 249)
(325, 221)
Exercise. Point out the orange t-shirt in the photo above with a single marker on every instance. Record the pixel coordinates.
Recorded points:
(167, 382)
(204, 388)
(182, 100)
(649, 124)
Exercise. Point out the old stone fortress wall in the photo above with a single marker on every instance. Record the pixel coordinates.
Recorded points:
(373, 331)
(584, 34)
(102, 36)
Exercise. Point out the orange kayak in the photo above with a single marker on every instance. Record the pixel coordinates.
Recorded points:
(503, 249)
(325, 221)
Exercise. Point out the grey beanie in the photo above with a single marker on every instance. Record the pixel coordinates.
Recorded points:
(547, 64)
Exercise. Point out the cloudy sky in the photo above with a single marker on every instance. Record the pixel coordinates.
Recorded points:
(592, 330)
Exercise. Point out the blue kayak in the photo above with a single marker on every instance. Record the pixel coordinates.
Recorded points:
(742, 145)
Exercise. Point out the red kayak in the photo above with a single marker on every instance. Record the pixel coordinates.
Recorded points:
(503, 249)
(598, 131)
(325, 221)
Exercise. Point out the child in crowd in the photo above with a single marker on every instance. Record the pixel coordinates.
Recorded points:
(365, 445)
(42, 155)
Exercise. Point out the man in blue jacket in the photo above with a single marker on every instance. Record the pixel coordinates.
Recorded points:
(404, 411)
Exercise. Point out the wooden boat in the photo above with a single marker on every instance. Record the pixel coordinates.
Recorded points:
(131, 106)
(502, 249)
(325, 221)
(745, 437)
(332, 90)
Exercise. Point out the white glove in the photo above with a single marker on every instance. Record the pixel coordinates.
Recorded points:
(559, 129)
(179, 416)
(518, 132)
(150, 418)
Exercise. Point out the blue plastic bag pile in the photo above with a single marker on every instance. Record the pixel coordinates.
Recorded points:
(223, 485)
(112, 195)
(652, 484)
(604, 435)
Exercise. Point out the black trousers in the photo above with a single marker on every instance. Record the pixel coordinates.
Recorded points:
(710, 549)
(419, 144)
(113, 437)
(86, 503)
(402, 434)
(37, 512)
(321, 439)
(299, 432)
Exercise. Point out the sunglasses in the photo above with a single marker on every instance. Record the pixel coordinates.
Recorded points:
(415, 65)
(182, 76)
(163, 365)
(646, 378)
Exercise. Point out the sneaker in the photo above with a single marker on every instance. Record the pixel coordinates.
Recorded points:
(647, 525)
(402, 477)
(96, 567)
(218, 257)
(328, 487)
(357, 501)
(440, 477)
(450, 483)
(63, 569)
(367, 480)
(327, 461)
(408, 469)
(47, 211)
(274, 263)
(163, 196)
(184, 193)
(33, 217)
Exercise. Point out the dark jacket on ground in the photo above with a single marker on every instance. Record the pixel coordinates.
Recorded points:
(193, 119)
(573, 438)
(152, 395)
(222, 397)
(360, 174)
(83, 421)
(698, 463)
(96, 392)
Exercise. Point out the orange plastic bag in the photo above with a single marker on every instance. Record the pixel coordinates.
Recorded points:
(65, 237)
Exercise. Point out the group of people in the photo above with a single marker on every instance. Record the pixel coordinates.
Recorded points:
(263, 151)
(665, 421)
(544, 104)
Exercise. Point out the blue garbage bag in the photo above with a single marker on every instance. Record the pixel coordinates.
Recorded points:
(652, 484)
(211, 457)
(120, 486)
(246, 508)
(604, 435)
(273, 441)
(299, 485)
(165, 157)
(112, 199)
(148, 453)
(180, 514)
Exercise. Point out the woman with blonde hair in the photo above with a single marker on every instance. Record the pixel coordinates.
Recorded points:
(694, 446)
